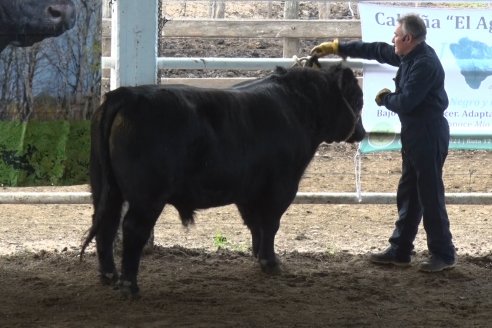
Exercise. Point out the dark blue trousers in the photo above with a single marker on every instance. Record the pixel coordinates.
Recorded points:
(421, 190)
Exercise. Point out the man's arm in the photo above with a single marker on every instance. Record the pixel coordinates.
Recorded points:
(382, 52)
(421, 79)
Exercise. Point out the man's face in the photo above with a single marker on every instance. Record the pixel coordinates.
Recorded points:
(403, 42)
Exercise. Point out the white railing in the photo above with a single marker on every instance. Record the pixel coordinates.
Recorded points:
(301, 198)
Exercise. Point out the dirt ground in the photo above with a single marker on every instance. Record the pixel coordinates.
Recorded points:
(204, 276)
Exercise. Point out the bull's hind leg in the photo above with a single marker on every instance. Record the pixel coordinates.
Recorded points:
(110, 212)
(137, 228)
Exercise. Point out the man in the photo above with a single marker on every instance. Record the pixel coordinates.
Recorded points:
(419, 100)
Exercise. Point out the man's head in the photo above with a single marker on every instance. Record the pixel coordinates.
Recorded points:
(411, 31)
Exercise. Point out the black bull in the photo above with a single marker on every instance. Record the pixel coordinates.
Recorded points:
(197, 148)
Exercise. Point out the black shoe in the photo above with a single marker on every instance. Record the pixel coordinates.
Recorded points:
(436, 264)
(389, 256)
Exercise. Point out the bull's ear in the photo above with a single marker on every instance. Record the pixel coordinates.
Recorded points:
(280, 70)
(345, 77)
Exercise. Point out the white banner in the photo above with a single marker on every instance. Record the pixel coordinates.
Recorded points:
(462, 39)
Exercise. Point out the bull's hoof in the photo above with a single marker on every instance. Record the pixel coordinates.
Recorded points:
(129, 290)
(108, 278)
(270, 267)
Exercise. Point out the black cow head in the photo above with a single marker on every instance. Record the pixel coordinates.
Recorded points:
(25, 22)
(352, 99)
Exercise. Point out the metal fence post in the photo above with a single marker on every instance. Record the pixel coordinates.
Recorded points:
(135, 47)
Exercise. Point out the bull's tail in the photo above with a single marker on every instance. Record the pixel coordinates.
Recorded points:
(106, 195)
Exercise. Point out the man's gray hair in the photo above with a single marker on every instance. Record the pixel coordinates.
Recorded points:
(414, 25)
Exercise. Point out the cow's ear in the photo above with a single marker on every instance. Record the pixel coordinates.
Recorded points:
(345, 77)
(280, 70)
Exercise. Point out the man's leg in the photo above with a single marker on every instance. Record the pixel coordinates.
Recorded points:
(409, 216)
(436, 221)
(409, 209)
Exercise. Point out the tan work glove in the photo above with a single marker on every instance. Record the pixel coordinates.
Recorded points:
(325, 48)
(380, 96)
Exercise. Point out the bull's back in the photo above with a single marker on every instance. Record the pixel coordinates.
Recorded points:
(209, 146)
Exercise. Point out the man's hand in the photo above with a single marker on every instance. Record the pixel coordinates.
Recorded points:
(380, 96)
(325, 48)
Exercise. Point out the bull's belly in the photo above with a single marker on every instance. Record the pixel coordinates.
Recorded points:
(204, 199)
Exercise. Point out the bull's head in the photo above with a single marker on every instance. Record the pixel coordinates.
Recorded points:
(351, 93)
(352, 99)
(25, 22)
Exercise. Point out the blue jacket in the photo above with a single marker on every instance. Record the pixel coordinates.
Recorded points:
(419, 83)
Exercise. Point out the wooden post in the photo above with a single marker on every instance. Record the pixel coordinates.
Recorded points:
(291, 45)
(217, 9)
(106, 9)
(105, 40)
(324, 9)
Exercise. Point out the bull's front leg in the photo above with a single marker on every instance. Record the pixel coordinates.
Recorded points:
(263, 226)
(255, 239)
(266, 253)
(252, 218)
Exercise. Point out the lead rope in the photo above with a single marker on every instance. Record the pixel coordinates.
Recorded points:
(299, 61)
(307, 61)
(358, 169)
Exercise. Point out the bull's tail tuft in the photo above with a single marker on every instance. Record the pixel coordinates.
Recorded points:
(89, 235)
(96, 223)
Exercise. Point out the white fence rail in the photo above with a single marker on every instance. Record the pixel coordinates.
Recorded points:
(301, 198)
